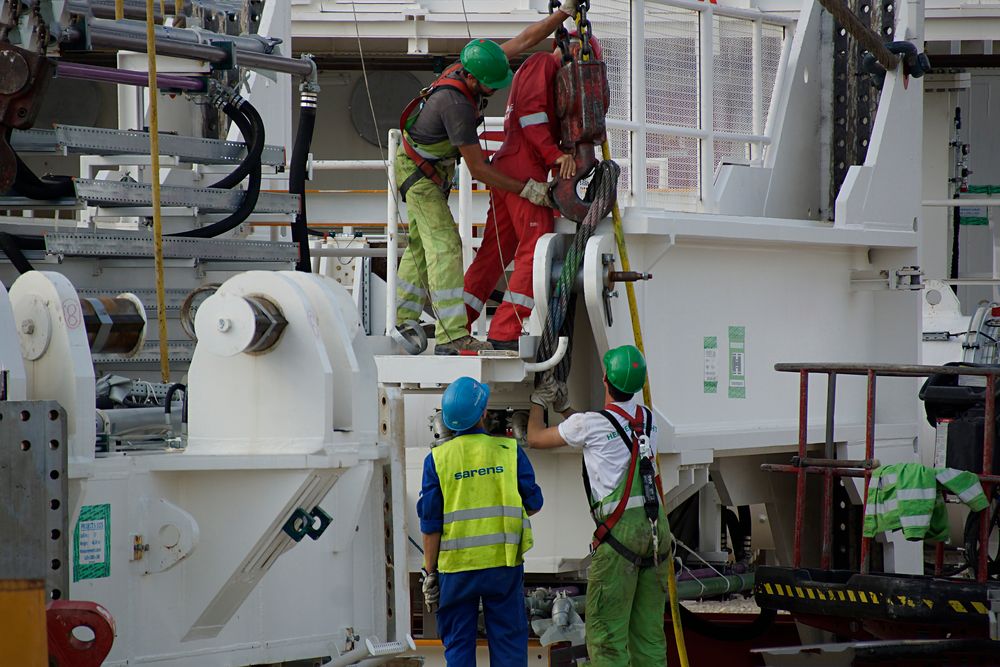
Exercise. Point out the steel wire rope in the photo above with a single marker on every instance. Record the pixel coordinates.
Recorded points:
(385, 164)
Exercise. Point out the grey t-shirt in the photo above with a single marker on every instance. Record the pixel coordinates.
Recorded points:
(447, 114)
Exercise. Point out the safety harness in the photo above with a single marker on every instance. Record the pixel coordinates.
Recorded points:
(426, 166)
(651, 491)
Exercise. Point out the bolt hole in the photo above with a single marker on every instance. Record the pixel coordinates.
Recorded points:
(56, 564)
(53, 474)
(82, 637)
(25, 415)
(384, 400)
(56, 534)
(385, 428)
(55, 504)
(56, 594)
(53, 415)
(53, 444)
(25, 445)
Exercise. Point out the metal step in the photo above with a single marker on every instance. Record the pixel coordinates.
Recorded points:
(76, 139)
(124, 244)
(206, 200)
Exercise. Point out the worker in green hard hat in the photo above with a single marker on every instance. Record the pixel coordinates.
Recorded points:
(627, 581)
(439, 127)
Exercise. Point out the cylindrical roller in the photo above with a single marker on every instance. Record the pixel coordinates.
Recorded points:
(229, 324)
(115, 325)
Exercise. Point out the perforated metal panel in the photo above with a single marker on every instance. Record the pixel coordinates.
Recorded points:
(671, 66)
(731, 152)
(611, 23)
(621, 148)
(671, 170)
(771, 44)
(732, 73)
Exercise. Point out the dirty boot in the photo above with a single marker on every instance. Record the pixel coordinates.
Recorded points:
(463, 344)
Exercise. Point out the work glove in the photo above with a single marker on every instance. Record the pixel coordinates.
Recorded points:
(432, 590)
(537, 193)
(568, 7)
(546, 393)
(560, 403)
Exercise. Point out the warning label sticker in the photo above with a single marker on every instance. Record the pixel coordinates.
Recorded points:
(92, 543)
(711, 348)
(737, 362)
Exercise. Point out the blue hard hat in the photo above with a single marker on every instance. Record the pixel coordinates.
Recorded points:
(463, 403)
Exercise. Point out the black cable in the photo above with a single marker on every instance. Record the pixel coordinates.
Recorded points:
(250, 196)
(251, 138)
(297, 176)
(12, 246)
(27, 184)
(728, 632)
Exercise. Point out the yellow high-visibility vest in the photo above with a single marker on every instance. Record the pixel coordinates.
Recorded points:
(485, 524)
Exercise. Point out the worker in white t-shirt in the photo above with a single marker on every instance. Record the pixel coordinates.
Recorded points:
(627, 582)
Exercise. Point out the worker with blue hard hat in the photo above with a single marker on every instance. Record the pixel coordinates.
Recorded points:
(478, 491)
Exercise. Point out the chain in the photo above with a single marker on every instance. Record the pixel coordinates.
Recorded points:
(583, 28)
(562, 35)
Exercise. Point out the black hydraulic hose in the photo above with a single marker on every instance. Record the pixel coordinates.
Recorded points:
(177, 386)
(27, 184)
(251, 136)
(728, 632)
(13, 246)
(249, 201)
(297, 176)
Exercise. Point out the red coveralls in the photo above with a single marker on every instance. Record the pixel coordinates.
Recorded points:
(513, 224)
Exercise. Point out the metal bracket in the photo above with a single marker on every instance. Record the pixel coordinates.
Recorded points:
(298, 524)
(320, 522)
(908, 278)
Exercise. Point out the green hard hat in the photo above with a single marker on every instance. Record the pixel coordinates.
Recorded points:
(485, 60)
(625, 368)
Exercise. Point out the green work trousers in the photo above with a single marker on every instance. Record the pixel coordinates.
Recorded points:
(433, 259)
(626, 604)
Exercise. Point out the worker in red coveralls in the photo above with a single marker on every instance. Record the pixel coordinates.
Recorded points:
(513, 224)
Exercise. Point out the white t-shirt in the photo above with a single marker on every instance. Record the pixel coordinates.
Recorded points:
(606, 458)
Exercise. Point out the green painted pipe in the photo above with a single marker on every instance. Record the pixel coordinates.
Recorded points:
(692, 589)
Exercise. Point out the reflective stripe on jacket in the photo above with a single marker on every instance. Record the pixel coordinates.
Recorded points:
(905, 496)
(485, 524)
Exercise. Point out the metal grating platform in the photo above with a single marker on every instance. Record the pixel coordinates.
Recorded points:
(74, 139)
(206, 200)
(140, 245)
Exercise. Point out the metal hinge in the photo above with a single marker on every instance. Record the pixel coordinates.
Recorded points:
(908, 278)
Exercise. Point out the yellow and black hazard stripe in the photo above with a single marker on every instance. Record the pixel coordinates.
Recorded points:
(866, 597)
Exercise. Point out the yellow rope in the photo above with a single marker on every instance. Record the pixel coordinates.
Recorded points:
(633, 309)
(154, 160)
(119, 9)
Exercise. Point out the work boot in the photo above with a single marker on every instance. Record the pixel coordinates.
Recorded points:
(463, 344)
(504, 344)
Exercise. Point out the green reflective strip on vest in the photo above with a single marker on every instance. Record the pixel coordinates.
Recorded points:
(480, 541)
(484, 513)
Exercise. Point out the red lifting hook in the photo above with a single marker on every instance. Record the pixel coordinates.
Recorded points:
(582, 100)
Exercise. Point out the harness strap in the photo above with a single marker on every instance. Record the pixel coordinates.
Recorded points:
(604, 527)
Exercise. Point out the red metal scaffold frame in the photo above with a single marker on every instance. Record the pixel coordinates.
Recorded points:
(831, 467)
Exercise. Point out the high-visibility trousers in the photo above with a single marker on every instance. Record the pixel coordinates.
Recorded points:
(625, 603)
(513, 226)
(432, 260)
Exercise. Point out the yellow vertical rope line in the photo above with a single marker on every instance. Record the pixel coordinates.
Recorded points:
(154, 162)
(119, 9)
(163, 8)
(633, 309)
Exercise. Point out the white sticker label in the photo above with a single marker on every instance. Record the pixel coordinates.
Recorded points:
(941, 443)
(92, 541)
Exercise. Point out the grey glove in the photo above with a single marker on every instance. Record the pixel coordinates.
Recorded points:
(569, 7)
(431, 589)
(560, 403)
(546, 393)
(537, 193)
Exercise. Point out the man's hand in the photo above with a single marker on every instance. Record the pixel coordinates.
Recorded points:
(568, 7)
(560, 403)
(566, 165)
(431, 589)
(546, 393)
(537, 193)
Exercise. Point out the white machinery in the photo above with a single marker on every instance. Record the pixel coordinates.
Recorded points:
(271, 536)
